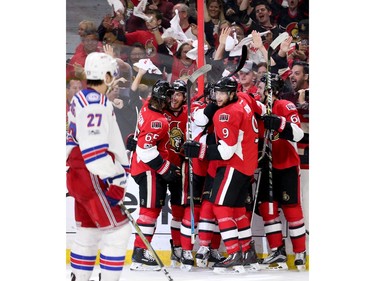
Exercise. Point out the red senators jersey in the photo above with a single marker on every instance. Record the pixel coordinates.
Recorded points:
(152, 137)
(284, 152)
(177, 133)
(236, 130)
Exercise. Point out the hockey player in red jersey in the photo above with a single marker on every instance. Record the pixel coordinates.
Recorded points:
(176, 115)
(285, 125)
(204, 172)
(236, 151)
(96, 176)
(152, 170)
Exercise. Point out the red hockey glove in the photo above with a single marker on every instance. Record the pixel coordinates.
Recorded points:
(274, 122)
(194, 149)
(114, 194)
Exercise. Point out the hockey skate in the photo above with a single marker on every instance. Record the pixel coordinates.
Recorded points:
(201, 257)
(175, 255)
(142, 260)
(232, 264)
(187, 260)
(206, 256)
(214, 257)
(300, 261)
(276, 260)
(250, 260)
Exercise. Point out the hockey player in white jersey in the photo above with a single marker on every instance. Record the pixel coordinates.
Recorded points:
(96, 176)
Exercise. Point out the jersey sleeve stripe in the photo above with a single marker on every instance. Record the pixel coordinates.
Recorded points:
(94, 153)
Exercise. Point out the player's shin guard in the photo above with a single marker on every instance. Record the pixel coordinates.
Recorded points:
(83, 253)
(207, 224)
(228, 228)
(177, 215)
(216, 237)
(297, 231)
(272, 226)
(244, 230)
(113, 251)
(186, 228)
(147, 224)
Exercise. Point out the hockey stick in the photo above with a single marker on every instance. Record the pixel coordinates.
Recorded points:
(144, 239)
(256, 196)
(242, 61)
(269, 135)
(192, 78)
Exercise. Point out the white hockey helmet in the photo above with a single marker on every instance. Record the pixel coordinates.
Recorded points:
(98, 64)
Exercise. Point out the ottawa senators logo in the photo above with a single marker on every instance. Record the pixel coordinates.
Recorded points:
(176, 138)
(292, 30)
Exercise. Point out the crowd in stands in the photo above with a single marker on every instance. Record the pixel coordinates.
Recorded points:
(135, 38)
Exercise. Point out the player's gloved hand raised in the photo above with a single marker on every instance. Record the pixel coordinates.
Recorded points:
(210, 110)
(170, 172)
(114, 194)
(274, 122)
(194, 149)
(131, 143)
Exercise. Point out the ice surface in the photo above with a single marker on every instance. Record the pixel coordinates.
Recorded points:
(204, 274)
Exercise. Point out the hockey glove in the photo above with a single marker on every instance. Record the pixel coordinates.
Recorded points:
(274, 122)
(114, 194)
(210, 110)
(194, 149)
(131, 143)
(166, 169)
(170, 172)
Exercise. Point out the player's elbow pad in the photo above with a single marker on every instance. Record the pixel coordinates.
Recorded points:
(292, 132)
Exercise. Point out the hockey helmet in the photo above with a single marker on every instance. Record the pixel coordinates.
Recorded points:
(180, 86)
(97, 65)
(162, 90)
(226, 84)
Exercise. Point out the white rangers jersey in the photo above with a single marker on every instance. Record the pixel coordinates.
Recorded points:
(94, 130)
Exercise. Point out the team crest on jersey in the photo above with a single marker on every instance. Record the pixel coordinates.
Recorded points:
(93, 97)
(291, 106)
(176, 136)
(223, 117)
(156, 125)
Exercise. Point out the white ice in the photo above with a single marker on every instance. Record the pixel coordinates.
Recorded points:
(203, 274)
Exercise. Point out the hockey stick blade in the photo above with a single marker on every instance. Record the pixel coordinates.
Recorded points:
(199, 72)
(242, 61)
